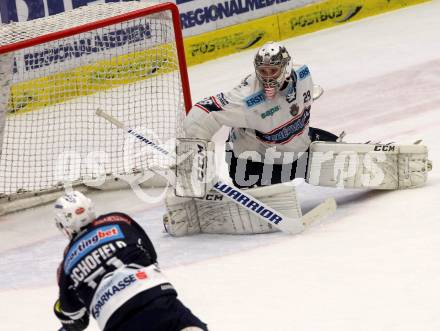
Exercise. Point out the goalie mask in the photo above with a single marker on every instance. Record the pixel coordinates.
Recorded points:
(272, 67)
(73, 212)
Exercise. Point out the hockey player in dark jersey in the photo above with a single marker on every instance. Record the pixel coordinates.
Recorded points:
(109, 270)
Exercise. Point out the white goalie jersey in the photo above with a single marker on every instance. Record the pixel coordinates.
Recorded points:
(258, 124)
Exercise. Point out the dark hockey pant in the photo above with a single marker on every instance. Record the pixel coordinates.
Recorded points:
(166, 313)
(247, 173)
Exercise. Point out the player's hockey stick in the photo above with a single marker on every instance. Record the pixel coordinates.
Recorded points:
(268, 214)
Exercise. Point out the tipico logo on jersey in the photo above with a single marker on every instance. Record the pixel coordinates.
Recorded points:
(89, 242)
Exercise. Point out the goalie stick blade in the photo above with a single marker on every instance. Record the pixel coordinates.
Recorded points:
(317, 214)
(291, 225)
(323, 210)
(317, 92)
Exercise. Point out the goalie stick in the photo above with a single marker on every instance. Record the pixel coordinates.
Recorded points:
(286, 224)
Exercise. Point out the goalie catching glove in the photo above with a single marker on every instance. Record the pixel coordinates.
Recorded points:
(372, 166)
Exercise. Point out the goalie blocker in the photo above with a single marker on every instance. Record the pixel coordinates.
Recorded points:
(195, 167)
(372, 166)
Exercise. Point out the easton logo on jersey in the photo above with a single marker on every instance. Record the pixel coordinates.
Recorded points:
(89, 242)
(287, 131)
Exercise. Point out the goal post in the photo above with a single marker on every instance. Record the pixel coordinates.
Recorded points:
(55, 72)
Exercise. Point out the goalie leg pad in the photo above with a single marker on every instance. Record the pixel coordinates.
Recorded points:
(181, 218)
(218, 214)
(370, 166)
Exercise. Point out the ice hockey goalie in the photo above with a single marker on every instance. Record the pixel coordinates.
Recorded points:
(271, 142)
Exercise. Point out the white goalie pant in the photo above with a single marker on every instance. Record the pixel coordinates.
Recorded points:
(372, 166)
(216, 213)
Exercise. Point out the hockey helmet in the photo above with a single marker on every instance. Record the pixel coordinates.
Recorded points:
(272, 65)
(73, 212)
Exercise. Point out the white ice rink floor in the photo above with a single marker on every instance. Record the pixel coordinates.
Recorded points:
(374, 265)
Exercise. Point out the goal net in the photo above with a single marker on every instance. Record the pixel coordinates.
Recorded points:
(124, 58)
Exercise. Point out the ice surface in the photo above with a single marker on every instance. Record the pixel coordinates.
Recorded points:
(374, 265)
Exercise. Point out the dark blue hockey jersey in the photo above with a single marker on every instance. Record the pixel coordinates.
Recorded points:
(108, 270)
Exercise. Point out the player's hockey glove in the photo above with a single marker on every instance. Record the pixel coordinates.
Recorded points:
(70, 324)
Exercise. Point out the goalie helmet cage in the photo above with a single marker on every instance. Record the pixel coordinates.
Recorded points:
(126, 58)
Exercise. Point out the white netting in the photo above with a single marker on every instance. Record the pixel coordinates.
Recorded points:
(128, 69)
(15, 32)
